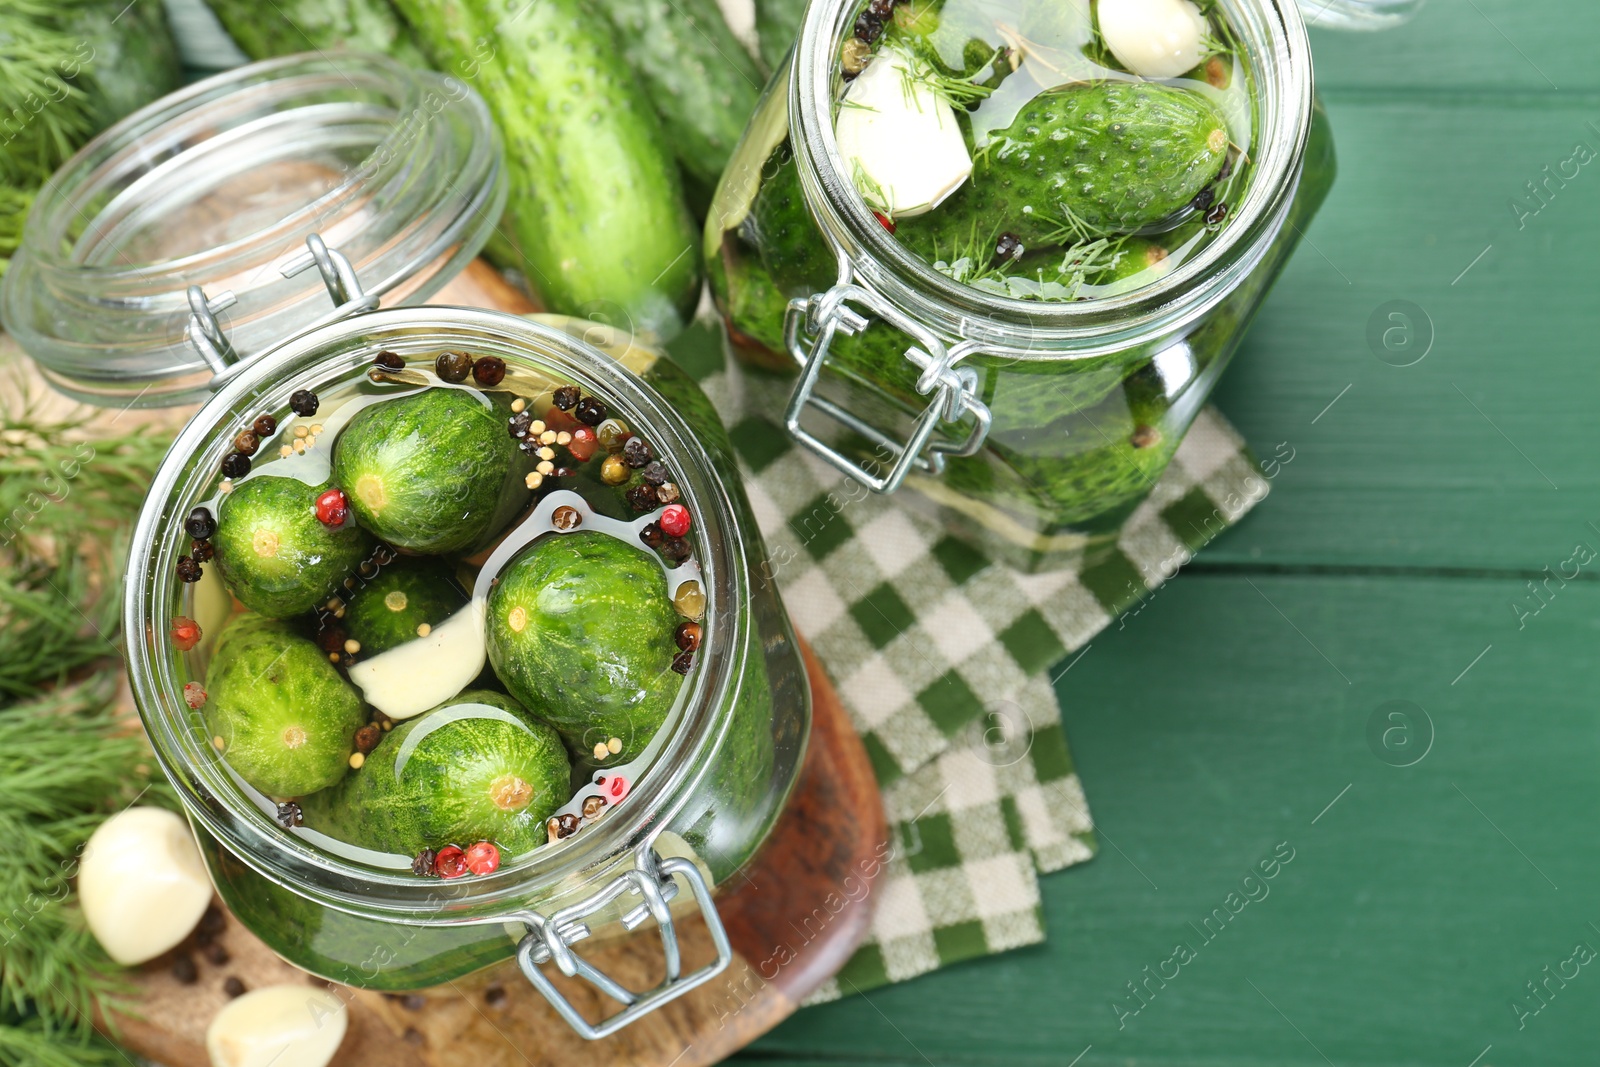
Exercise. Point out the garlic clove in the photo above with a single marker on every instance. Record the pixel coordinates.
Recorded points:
(277, 1026)
(142, 884)
(424, 672)
(1153, 38)
(899, 139)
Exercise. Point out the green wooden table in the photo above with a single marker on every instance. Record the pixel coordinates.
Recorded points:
(1247, 705)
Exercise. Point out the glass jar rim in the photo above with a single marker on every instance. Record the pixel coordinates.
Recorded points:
(404, 165)
(1273, 30)
(207, 792)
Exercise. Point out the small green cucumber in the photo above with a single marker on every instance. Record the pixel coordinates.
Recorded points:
(702, 82)
(406, 594)
(275, 556)
(432, 472)
(284, 716)
(595, 197)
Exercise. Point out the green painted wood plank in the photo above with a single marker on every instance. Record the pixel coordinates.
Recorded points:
(1481, 454)
(1231, 715)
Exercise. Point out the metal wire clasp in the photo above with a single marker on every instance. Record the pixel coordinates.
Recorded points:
(809, 326)
(344, 289)
(550, 940)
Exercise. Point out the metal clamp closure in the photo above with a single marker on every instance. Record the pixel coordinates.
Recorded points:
(809, 327)
(344, 289)
(550, 939)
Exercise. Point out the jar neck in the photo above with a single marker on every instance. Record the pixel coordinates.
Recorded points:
(1273, 36)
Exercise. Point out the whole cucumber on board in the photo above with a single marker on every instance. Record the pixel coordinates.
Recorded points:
(777, 25)
(596, 205)
(702, 82)
(288, 26)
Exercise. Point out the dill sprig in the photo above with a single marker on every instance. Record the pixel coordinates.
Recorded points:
(66, 500)
(44, 114)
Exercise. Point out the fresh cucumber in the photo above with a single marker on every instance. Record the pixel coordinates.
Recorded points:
(777, 25)
(596, 202)
(289, 26)
(275, 555)
(135, 58)
(703, 83)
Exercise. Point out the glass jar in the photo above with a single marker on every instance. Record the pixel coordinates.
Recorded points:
(121, 295)
(1034, 428)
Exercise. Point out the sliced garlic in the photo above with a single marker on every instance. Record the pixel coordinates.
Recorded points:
(1153, 38)
(277, 1026)
(426, 671)
(142, 884)
(899, 139)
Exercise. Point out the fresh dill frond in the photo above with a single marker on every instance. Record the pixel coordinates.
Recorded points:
(868, 187)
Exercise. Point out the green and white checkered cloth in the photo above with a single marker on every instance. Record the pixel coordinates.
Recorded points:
(942, 658)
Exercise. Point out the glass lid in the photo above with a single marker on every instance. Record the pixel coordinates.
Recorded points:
(218, 221)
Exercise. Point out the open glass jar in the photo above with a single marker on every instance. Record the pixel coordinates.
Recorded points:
(700, 797)
(1032, 425)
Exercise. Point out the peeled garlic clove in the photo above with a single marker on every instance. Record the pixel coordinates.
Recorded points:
(1153, 38)
(277, 1026)
(142, 884)
(899, 139)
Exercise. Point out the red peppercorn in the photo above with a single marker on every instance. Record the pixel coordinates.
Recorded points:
(185, 633)
(884, 220)
(333, 508)
(675, 520)
(483, 858)
(451, 862)
(617, 786)
(583, 444)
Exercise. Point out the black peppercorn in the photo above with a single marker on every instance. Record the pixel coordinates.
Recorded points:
(367, 738)
(200, 524)
(869, 27)
(233, 987)
(304, 403)
(682, 662)
(566, 397)
(235, 465)
(201, 551)
(1008, 247)
(519, 424)
(213, 921)
(652, 536)
(590, 411)
(642, 498)
(1203, 199)
(422, 866)
(216, 955)
(1217, 213)
(289, 815)
(265, 427)
(654, 473)
(675, 550)
(453, 366)
(188, 569)
(687, 636)
(388, 360)
(247, 443)
(882, 8)
(636, 452)
(489, 371)
(565, 825)
(184, 970)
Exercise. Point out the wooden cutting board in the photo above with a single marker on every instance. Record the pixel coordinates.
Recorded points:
(790, 918)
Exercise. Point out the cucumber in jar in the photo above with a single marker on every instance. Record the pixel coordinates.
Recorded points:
(408, 598)
(277, 557)
(580, 628)
(432, 472)
(281, 715)
(596, 206)
(476, 768)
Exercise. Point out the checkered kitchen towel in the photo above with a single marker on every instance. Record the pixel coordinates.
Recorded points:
(944, 661)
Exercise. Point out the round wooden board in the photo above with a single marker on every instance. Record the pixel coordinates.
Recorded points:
(793, 918)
